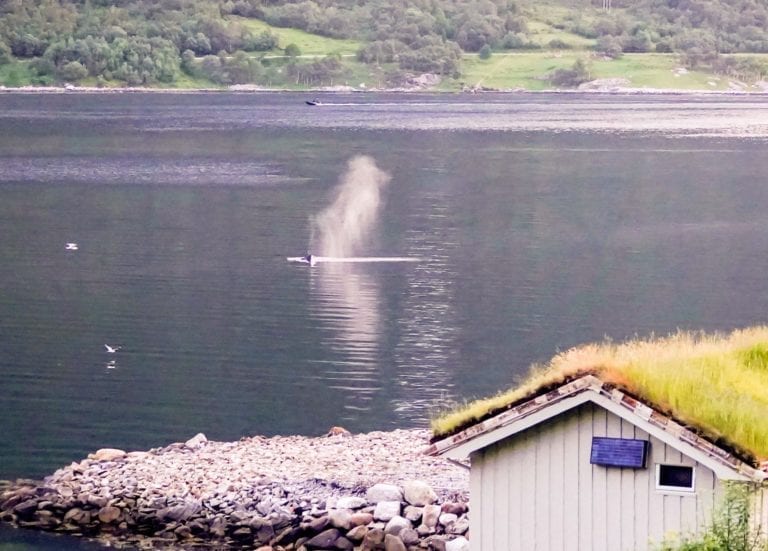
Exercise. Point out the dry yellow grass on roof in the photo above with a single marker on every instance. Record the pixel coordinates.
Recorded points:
(715, 383)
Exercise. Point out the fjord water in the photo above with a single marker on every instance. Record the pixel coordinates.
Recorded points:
(542, 221)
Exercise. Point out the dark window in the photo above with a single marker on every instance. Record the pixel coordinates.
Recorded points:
(675, 477)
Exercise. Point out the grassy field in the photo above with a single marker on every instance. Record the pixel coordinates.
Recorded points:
(309, 44)
(715, 383)
(514, 70)
(542, 34)
(655, 71)
(528, 70)
(547, 22)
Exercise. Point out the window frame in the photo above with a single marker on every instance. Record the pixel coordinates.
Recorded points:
(675, 489)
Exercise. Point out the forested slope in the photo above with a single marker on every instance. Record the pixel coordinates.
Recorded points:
(192, 42)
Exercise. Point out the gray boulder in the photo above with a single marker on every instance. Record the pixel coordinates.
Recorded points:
(109, 514)
(340, 518)
(459, 544)
(318, 524)
(218, 527)
(27, 508)
(357, 533)
(409, 536)
(430, 516)
(393, 543)
(196, 441)
(383, 492)
(359, 518)
(325, 539)
(419, 493)
(460, 526)
(413, 513)
(263, 531)
(351, 502)
(179, 512)
(448, 519)
(455, 508)
(106, 454)
(396, 525)
(385, 510)
(374, 537)
(344, 544)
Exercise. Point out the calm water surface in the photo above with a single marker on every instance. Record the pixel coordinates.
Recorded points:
(543, 221)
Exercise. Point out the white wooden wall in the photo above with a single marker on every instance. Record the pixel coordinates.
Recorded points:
(760, 511)
(538, 491)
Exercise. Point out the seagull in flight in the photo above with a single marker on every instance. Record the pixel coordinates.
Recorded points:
(112, 349)
(71, 246)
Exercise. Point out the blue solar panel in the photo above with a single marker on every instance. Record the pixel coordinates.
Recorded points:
(619, 452)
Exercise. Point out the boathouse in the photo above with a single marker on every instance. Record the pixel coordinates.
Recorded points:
(584, 465)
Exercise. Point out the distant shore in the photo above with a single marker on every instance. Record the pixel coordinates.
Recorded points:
(594, 88)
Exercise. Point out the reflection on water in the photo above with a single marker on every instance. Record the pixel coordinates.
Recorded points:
(138, 171)
(347, 300)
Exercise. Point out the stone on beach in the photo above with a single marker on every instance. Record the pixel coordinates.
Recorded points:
(396, 525)
(107, 454)
(325, 539)
(360, 518)
(374, 537)
(357, 533)
(413, 513)
(351, 502)
(384, 492)
(386, 510)
(430, 516)
(340, 518)
(448, 519)
(458, 544)
(419, 493)
(26, 508)
(393, 543)
(109, 514)
(196, 441)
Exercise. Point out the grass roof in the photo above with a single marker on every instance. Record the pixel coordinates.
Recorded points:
(717, 384)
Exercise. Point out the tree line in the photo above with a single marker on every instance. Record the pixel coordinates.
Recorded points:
(144, 42)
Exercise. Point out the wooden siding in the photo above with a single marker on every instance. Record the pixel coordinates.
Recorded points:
(538, 491)
(760, 510)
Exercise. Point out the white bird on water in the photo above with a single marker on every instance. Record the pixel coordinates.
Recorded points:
(71, 246)
(112, 349)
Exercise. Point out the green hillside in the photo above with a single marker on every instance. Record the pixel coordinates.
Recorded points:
(499, 44)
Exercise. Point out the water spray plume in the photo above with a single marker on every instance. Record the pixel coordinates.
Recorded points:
(344, 227)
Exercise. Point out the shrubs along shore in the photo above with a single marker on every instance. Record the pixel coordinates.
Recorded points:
(374, 491)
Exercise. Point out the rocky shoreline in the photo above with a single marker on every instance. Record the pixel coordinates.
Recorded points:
(373, 491)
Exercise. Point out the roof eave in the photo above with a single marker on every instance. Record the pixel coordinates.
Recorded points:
(590, 388)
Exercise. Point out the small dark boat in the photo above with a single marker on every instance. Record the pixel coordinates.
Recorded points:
(313, 102)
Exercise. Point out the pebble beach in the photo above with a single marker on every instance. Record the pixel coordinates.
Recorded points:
(340, 491)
